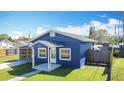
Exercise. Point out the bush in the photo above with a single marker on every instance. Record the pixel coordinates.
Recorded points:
(116, 52)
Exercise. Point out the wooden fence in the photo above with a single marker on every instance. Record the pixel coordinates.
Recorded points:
(7, 52)
(103, 55)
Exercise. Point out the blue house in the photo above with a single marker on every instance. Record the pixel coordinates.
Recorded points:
(54, 49)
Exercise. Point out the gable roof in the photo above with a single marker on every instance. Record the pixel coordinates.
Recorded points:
(7, 41)
(19, 43)
(78, 37)
(46, 43)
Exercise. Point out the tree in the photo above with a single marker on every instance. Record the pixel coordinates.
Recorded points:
(92, 29)
(24, 38)
(4, 36)
(100, 35)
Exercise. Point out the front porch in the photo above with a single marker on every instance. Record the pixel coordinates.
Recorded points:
(44, 67)
(46, 51)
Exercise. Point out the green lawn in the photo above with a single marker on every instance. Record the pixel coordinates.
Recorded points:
(9, 73)
(11, 58)
(118, 69)
(61, 74)
(66, 74)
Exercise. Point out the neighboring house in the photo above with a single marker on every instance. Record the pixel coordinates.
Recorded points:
(19, 43)
(6, 44)
(55, 47)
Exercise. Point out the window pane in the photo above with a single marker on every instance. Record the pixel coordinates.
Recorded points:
(65, 56)
(53, 53)
(65, 53)
(42, 52)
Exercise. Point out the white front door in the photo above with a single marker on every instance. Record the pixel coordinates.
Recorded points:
(53, 55)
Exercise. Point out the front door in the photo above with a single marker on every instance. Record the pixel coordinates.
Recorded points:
(53, 55)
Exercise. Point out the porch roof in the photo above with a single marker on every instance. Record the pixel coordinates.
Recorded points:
(47, 43)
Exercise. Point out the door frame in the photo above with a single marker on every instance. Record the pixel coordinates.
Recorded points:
(53, 60)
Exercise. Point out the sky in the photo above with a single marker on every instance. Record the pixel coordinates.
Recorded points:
(17, 24)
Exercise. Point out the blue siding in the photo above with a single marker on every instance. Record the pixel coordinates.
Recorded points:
(83, 50)
(78, 49)
(68, 43)
(41, 60)
(75, 55)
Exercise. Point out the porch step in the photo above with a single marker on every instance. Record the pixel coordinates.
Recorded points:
(44, 67)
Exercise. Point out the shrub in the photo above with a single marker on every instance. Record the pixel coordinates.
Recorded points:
(116, 52)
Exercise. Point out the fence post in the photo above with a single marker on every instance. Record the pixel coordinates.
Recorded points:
(110, 63)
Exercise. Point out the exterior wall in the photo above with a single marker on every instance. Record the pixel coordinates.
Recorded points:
(39, 60)
(5, 45)
(83, 50)
(75, 55)
(68, 43)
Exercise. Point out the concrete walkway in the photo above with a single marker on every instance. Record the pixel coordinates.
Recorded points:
(24, 76)
(12, 64)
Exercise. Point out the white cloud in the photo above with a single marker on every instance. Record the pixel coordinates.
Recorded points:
(84, 29)
(16, 34)
(113, 21)
(79, 30)
(109, 26)
(40, 30)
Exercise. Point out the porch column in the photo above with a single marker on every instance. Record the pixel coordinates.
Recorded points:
(33, 57)
(49, 64)
(18, 53)
(27, 53)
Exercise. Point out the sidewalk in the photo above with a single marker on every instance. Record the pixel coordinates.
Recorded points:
(24, 76)
(12, 64)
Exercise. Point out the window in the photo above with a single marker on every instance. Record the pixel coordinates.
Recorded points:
(41, 52)
(65, 53)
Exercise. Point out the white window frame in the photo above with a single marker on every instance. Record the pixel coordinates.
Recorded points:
(41, 56)
(60, 56)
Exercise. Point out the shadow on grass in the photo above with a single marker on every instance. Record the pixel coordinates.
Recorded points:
(105, 72)
(21, 69)
(96, 64)
(62, 71)
(25, 68)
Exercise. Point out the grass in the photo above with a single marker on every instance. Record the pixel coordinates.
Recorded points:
(88, 73)
(118, 69)
(67, 74)
(9, 73)
(11, 58)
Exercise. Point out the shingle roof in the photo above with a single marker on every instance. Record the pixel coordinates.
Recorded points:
(78, 37)
(7, 41)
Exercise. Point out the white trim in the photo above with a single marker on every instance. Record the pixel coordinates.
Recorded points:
(49, 63)
(65, 34)
(27, 53)
(19, 54)
(60, 57)
(45, 53)
(51, 59)
(33, 58)
(49, 44)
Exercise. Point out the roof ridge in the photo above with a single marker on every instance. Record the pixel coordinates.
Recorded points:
(78, 37)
